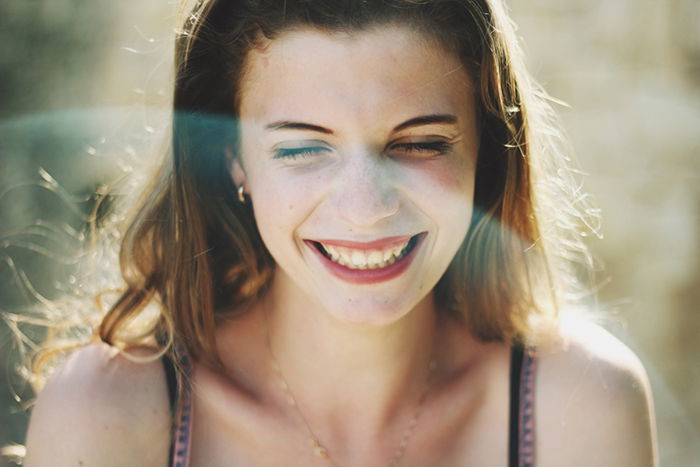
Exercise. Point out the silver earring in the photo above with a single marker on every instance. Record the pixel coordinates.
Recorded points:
(241, 196)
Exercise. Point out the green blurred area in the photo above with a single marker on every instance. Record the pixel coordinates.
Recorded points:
(83, 95)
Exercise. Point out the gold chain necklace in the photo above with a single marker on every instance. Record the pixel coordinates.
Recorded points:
(318, 448)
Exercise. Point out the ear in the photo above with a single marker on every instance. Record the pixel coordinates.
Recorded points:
(237, 172)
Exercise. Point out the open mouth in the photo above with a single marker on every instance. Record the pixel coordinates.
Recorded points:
(367, 259)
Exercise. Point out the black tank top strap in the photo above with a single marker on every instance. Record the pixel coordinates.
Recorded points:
(170, 380)
(516, 363)
(521, 435)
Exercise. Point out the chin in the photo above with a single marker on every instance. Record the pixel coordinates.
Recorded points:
(354, 313)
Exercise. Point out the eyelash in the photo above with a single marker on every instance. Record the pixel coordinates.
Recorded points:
(432, 147)
(420, 148)
(297, 153)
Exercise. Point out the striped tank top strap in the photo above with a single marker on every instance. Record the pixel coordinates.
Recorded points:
(521, 450)
(180, 454)
(527, 410)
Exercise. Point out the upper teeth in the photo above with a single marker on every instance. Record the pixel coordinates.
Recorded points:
(365, 259)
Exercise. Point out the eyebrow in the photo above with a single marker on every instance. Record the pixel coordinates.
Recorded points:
(287, 125)
(417, 121)
(426, 120)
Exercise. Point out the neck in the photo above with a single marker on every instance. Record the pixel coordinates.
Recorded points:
(337, 370)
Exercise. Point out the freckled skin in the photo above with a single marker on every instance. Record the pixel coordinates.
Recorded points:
(360, 87)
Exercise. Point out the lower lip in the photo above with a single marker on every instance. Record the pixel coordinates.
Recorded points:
(369, 276)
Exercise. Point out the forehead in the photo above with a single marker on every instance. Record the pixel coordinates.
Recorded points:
(358, 76)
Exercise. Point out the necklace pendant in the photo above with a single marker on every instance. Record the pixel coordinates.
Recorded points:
(321, 452)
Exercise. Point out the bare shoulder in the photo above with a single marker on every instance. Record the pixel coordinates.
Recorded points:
(101, 409)
(594, 404)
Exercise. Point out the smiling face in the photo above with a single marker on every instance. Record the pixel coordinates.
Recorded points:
(358, 152)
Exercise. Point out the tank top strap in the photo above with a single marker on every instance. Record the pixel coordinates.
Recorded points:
(521, 443)
(180, 394)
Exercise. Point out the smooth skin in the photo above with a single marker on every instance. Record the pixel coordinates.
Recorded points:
(331, 149)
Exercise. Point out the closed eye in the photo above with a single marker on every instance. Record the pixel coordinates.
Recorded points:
(420, 148)
(299, 153)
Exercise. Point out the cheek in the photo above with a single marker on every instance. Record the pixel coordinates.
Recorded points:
(447, 198)
(456, 180)
(281, 204)
(273, 206)
(445, 182)
(286, 193)
(272, 216)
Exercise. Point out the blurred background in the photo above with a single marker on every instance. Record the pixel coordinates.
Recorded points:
(84, 88)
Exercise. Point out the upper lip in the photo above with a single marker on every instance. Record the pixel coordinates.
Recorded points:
(381, 243)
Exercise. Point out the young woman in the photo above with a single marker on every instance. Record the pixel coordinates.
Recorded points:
(358, 252)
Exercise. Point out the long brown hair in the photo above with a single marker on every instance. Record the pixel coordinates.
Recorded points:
(195, 251)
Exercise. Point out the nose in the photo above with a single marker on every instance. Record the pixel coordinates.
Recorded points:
(365, 192)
